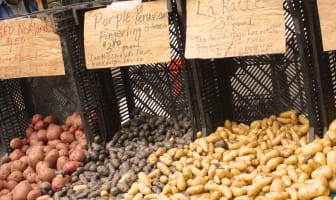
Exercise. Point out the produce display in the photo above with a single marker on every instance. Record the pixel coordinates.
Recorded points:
(44, 161)
(110, 170)
(153, 157)
(269, 159)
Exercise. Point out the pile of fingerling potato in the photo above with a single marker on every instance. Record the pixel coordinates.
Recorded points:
(268, 159)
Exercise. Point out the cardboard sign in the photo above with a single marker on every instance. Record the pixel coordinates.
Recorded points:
(328, 23)
(127, 33)
(228, 28)
(29, 47)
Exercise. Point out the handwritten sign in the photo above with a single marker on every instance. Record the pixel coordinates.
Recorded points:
(328, 23)
(127, 33)
(29, 47)
(228, 28)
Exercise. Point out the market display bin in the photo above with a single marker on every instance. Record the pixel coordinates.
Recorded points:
(158, 89)
(254, 87)
(325, 62)
(54, 95)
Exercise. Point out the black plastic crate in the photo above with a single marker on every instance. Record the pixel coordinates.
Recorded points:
(158, 89)
(325, 64)
(55, 95)
(253, 87)
(14, 113)
(88, 84)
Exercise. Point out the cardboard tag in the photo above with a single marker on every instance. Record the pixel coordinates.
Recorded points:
(28, 48)
(127, 33)
(327, 15)
(230, 28)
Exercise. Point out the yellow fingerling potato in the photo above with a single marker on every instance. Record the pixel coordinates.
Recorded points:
(292, 174)
(322, 198)
(331, 160)
(270, 155)
(134, 189)
(311, 149)
(273, 163)
(292, 193)
(163, 168)
(278, 186)
(291, 160)
(144, 189)
(246, 150)
(160, 151)
(197, 189)
(181, 183)
(230, 156)
(311, 190)
(277, 195)
(257, 186)
(143, 178)
(323, 171)
(332, 184)
(236, 192)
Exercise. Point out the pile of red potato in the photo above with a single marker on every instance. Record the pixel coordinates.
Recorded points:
(44, 160)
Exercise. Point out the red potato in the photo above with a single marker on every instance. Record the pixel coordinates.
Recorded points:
(83, 145)
(51, 157)
(65, 127)
(5, 159)
(8, 196)
(41, 165)
(15, 143)
(61, 161)
(36, 118)
(80, 135)
(73, 144)
(70, 119)
(5, 171)
(10, 185)
(71, 166)
(46, 174)
(53, 143)
(67, 179)
(67, 137)
(24, 159)
(18, 165)
(35, 186)
(58, 183)
(76, 120)
(42, 135)
(4, 191)
(35, 155)
(24, 141)
(72, 130)
(49, 119)
(16, 155)
(63, 152)
(39, 125)
(31, 177)
(21, 190)
(61, 146)
(77, 155)
(24, 148)
(54, 131)
(16, 176)
(1, 184)
(33, 194)
(47, 148)
(33, 139)
(29, 131)
(28, 170)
